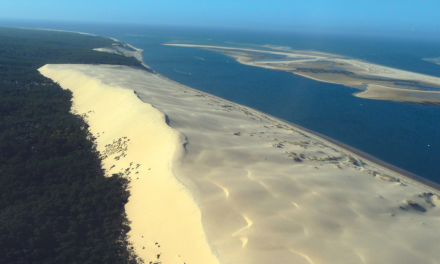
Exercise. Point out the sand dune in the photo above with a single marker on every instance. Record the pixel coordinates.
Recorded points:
(229, 184)
(134, 139)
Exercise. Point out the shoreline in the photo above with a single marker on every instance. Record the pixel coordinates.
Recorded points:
(267, 190)
(401, 179)
(412, 176)
(250, 175)
(59, 30)
(372, 159)
(368, 157)
(137, 53)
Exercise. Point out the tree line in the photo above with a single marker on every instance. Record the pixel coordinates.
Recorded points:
(56, 205)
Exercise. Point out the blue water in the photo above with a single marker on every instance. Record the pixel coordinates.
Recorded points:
(405, 135)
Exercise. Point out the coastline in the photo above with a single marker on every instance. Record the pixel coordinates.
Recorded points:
(353, 151)
(372, 159)
(124, 51)
(252, 175)
(59, 30)
(232, 226)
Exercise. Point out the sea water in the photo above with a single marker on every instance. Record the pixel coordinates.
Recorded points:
(402, 134)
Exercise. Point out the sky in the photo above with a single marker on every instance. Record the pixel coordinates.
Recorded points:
(318, 15)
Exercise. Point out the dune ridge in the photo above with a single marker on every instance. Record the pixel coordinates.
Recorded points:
(134, 139)
(266, 191)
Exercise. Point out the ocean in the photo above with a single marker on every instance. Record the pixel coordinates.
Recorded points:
(402, 134)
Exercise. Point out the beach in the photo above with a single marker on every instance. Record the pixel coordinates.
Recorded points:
(217, 182)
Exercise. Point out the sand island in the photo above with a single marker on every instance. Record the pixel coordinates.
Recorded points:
(213, 181)
(433, 60)
(375, 81)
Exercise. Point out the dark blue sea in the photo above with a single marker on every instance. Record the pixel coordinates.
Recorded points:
(402, 134)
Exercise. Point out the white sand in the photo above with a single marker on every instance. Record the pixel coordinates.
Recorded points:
(160, 208)
(388, 72)
(380, 92)
(254, 190)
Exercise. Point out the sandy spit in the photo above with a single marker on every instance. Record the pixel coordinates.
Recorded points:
(374, 89)
(47, 29)
(222, 183)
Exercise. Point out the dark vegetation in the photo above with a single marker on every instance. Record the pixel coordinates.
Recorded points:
(56, 205)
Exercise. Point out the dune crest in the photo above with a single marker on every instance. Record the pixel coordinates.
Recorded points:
(134, 139)
(265, 191)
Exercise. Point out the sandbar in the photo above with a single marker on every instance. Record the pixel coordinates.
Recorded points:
(388, 83)
(433, 60)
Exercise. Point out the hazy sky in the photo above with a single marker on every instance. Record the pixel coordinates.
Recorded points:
(368, 15)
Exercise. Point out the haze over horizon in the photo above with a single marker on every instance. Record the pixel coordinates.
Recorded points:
(409, 18)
